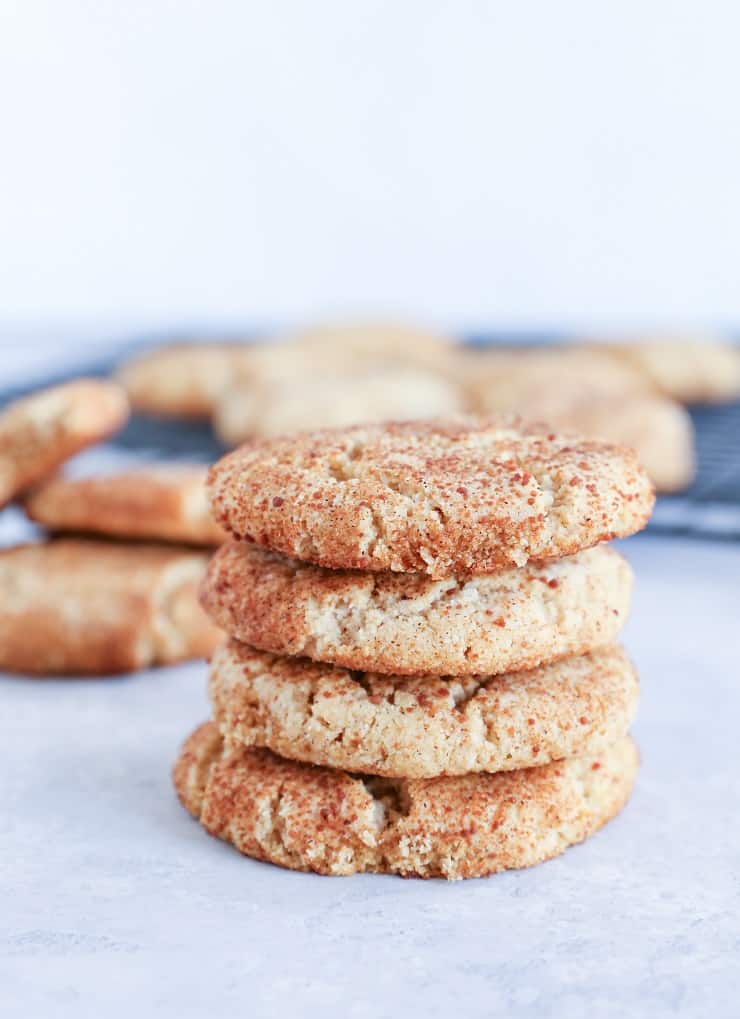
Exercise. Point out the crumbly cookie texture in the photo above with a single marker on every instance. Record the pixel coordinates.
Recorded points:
(442, 498)
(331, 822)
(422, 727)
(94, 607)
(39, 432)
(410, 624)
(161, 503)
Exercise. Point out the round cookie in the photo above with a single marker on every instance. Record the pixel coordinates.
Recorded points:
(331, 822)
(166, 503)
(549, 381)
(373, 343)
(96, 607)
(346, 348)
(247, 408)
(410, 624)
(39, 432)
(659, 430)
(442, 498)
(182, 379)
(594, 394)
(691, 371)
(422, 727)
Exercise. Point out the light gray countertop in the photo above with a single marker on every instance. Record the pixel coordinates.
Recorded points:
(114, 903)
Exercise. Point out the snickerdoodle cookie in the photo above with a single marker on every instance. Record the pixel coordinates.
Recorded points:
(332, 822)
(422, 727)
(409, 623)
(181, 379)
(39, 432)
(95, 607)
(443, 498)
(167, 503)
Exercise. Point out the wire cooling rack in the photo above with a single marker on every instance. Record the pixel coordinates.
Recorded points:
(709, 508)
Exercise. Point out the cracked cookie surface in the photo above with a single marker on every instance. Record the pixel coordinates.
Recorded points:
(442, 498)
(423, 726)
(332, 822)
(412, 624)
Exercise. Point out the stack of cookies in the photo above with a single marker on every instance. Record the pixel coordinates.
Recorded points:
(421, 676)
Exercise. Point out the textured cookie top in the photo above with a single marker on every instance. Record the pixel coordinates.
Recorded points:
(422, 727)
(331, 822)
(76, 606)
(165, 503)
(409, 623)
(39, 432)
(442, 498)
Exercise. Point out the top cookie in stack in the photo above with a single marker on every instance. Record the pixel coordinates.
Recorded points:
(439, 499)
(456, 565)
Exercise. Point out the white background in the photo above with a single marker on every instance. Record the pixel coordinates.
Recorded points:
(472, 163)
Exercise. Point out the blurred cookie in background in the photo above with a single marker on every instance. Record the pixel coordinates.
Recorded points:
(376, 345)
(248, 410)
(39, 432)
(338, 375)
(659, 430)
(187, 379)
(593, 394)
(73, 606)
(162, 502)
(690, 371)
(182, 379)
(550, 378)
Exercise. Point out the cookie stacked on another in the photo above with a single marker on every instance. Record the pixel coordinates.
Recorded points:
(421, 676)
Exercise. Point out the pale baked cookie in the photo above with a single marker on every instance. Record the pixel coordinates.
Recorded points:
(41, 431)
(246, 410)
(166, 503)
(692, 371)
(408, 623)
(331, 822)
(182, 379)
(546, 383)
(659, 430)
(374, 343)
(595, 395)
(94, 607)
(443, 498)
(425, 726)
(347, 348)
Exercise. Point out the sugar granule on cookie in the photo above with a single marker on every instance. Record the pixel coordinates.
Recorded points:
(332, 822)
(411, 624)
(421, 727)
(442, 498)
